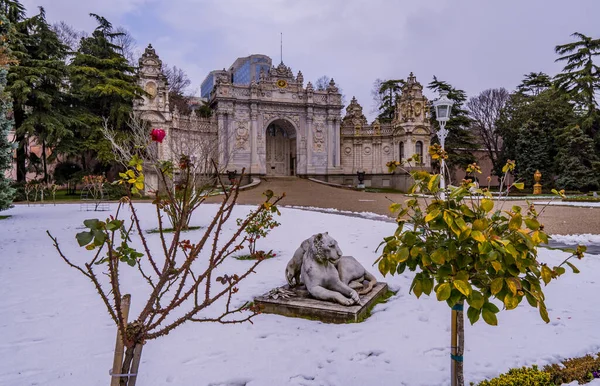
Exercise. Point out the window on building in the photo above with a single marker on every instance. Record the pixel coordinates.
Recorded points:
(401, 151)
(419, 151)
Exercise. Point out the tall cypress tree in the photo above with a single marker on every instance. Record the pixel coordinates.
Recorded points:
(6, 123)
(104, 87)
(460, 143)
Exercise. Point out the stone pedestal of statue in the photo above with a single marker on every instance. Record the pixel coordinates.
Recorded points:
(296, 302)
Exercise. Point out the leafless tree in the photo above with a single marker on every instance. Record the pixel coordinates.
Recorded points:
(484, 109)
(377, 96)
(178, 79)
(323, 82)
(128, 45)
(178, 88)
(68, 35)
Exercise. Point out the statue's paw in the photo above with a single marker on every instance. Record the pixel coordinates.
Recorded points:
(346, 302)
(354, 297)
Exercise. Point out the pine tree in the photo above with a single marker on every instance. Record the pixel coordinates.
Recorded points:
(6, 124)
(37, 85)
(389, 92)
(577, 164)
(104, 87)
(460, 143)
(580, 78)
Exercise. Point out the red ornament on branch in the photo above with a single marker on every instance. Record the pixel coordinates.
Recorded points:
(158, 135)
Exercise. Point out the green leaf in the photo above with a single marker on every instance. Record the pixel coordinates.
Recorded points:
(427, 285)
(476, 300)
(473, 314)
(418, 288)
(443, 291)
(532, 224)
(515, 222)
(478, 225)
(84, 238)
(461, 224)
(487, 205)
(489, 317)
(511, 286)
(477, 236)
(574, 268)
(395, 207)
(432, 215)
(402, 255)
(544, 313)
(511, 302)
(91, 223)
(497, 266)
(491, 307)
(546, 274)
(497, 285)
(448, 219)
(462, 286)
(519, 185)
(438, 256)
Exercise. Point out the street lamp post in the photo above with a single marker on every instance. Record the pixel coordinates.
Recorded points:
(443, 106)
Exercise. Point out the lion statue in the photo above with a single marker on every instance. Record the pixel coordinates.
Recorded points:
(320, 274)
(350, 271)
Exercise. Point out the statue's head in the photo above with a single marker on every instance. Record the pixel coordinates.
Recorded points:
(325, 249)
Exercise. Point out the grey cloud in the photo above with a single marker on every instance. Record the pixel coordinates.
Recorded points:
(472, 44)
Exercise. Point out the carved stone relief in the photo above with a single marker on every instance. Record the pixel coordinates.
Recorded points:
(241, 135)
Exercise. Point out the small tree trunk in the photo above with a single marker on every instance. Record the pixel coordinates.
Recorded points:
(118, 359)
(135, 365)
(457, 343)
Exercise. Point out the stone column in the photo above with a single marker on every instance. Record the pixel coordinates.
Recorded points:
(330, 140)
(254, 128)
(222, 135)
(309, 142)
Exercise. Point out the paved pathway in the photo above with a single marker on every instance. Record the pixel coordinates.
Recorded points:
(302, 192)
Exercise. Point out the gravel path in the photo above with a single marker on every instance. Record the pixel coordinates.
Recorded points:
(301, 192)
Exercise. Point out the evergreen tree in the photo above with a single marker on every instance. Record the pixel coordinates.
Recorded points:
(6, 124)
(389, 92)
(37, 85)
(534, 151)
(15, 12)
(578, 167)
(534, 83)
(580, 78)
(527, 125)
(460, 143)
(103, 87)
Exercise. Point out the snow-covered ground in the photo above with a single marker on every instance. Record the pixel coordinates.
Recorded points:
(54, 329)
(571, 203)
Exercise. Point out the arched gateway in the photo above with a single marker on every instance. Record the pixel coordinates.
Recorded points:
(281, 153)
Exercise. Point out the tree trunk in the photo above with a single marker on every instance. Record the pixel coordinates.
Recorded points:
(21, 159)
(118, 359)
(45, 161)
(457, 345)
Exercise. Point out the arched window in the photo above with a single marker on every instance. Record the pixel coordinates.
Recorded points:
(401, 151)
(419, 150)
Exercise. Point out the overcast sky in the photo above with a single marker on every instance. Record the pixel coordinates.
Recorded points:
(472, 44)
